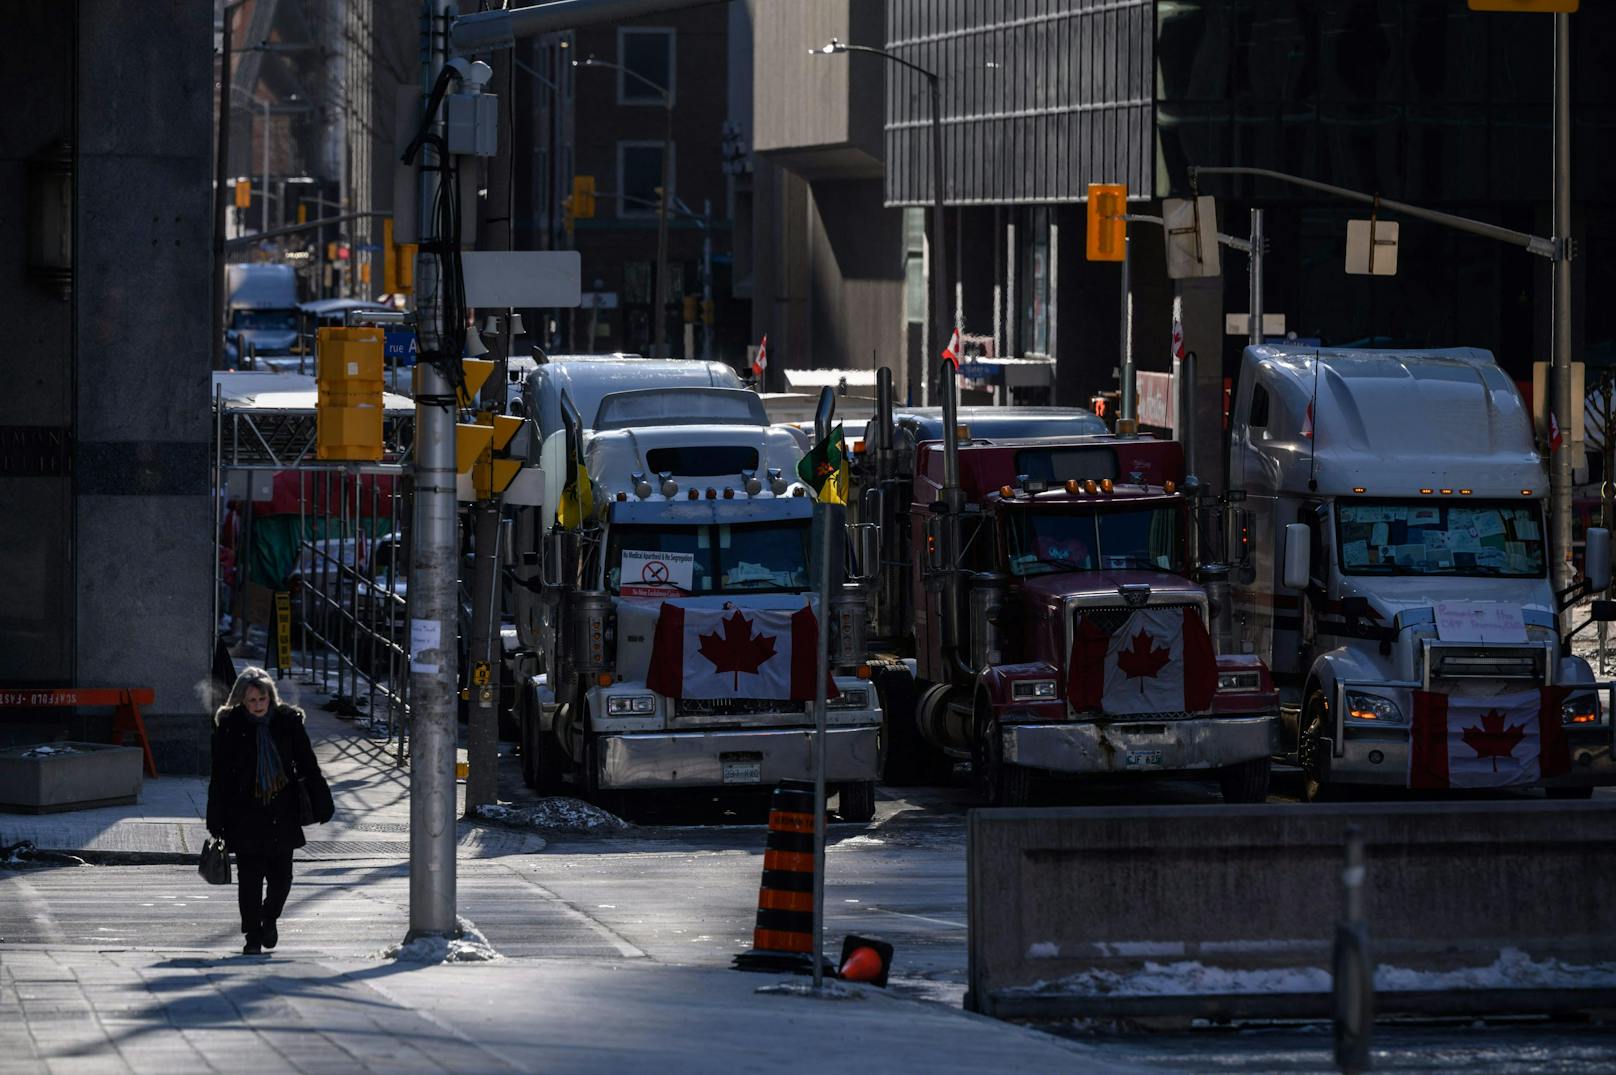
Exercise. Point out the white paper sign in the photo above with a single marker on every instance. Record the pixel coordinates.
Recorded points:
(425, 635)
(1469, 621)
(656, 574)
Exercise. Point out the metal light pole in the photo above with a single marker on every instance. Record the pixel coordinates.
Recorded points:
(938, 267)
(659, 298)
(826, 514)
(1254, 334)
(220, 164)
(1127, 401)
(1560, 464)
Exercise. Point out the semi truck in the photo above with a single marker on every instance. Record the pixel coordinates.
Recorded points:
(263, 310)
(1038, 610)
(675, 627)
(1397, 577)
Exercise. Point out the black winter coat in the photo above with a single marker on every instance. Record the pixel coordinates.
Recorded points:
(234, 812)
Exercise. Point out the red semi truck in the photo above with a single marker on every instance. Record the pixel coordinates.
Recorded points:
(1037, 610)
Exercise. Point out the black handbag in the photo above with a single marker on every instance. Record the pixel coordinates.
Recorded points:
(214, 865)
(314, 804)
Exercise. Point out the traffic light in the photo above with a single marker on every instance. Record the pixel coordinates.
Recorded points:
(398, 262)
(302, 212)
(583, 197)
(1107, 230)
(244, 194)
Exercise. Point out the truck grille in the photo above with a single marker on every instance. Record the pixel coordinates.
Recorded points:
(1487, 662)
(732, 707)
(1109, 618)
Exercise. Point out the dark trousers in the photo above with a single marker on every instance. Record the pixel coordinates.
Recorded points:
(257, 906)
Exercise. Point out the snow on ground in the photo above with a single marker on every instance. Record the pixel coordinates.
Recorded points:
(556, 814)
(1513, 969)
(466, 945)
(47, 750)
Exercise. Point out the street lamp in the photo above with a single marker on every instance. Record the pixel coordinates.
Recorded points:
(659, 299)
(939, 259)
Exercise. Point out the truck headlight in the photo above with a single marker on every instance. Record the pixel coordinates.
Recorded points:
(1240, 681)
(1583, 709)
(1031, 690)
(850, 698)
(630, 705)
(1371, 707)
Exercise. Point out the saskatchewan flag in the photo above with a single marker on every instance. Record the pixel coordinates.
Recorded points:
(824, 468)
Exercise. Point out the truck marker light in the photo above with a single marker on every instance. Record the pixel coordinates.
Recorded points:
(1464, 492)
(1091, 486)
(603, 679)
(799, 491)
(1358, 489)
(1106, 486)
(1169, 487)
(712, 494)
(1072, 486)
(1526, 492)
(1425, 492)
(729, 494)
(1447, 492)
(694, 495)
(621, 496)
(1006, 492)
(863, 671)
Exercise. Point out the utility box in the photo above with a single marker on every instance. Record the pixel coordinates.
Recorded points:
(348, 379)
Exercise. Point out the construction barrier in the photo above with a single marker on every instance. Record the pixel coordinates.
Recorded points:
(783, 938)
(1229, 911)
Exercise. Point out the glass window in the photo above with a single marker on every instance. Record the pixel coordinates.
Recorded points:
(751, 557)
(1431, 537)
(703, 460)
(1259, 404)
(645, 59)
(1041, 542)
(639, 164)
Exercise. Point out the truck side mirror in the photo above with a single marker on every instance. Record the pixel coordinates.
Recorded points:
(1297, 556)
(1596, 560)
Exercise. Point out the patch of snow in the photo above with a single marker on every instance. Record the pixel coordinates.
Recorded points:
(24, 853)
(557, 814)
(465, 945)
(46, 750)
(830, 990)
(1043, 950)
(860, 841)
(1513, 969)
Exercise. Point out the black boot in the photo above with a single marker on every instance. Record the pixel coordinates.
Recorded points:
(271, 936)
(254, 944)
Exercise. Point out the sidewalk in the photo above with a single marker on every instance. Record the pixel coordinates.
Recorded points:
(370, 790)
(172, 1012)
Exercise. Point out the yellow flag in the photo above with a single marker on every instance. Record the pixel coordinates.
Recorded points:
(577, 501)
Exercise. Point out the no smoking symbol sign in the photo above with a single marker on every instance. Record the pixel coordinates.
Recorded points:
(654, 571)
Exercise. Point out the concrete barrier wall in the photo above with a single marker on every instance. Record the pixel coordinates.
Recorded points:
(1230, 910)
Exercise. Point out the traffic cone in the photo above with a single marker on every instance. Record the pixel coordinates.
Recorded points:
(783, 938)
(865, 960)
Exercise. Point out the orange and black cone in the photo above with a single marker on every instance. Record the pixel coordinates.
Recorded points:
(784, 935)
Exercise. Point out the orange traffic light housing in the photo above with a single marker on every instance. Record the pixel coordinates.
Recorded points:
(1107, 230)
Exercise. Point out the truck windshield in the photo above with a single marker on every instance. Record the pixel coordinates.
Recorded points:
(1141, 539)
(667, 561)
(264, 320)
(1422, 537)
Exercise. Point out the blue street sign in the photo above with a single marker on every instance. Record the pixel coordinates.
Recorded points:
(400, 345)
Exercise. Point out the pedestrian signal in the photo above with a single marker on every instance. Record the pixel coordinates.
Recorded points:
(1108, 232)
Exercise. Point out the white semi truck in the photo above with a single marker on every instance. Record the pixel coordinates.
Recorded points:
(676, 617)
(1396, 574)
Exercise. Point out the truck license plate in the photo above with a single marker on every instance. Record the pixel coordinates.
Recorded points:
(1142, 759)
(743, 772)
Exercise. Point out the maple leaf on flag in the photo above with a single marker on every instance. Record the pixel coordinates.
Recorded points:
(738, 650)
(1143, 659)
(1492, 739)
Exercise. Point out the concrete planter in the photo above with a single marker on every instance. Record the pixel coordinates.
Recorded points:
(72, 777)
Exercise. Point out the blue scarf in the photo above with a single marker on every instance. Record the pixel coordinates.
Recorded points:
(271, 777)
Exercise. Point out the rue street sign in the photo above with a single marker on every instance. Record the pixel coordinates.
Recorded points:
(509, 278)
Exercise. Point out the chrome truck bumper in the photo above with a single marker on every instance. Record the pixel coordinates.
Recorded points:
(1117, 746)
(734, 758)
(1380, 756)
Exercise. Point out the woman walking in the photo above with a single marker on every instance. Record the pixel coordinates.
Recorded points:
(260, 751)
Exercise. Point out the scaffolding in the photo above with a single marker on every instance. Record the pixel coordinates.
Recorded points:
(342, 565)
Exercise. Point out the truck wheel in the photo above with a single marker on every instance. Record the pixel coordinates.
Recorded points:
(856, 800)
(1315, 787)
(1000, 784)
(1570, 793)
(1246, 782)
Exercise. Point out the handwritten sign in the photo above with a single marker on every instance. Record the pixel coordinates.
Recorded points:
(1470, 621)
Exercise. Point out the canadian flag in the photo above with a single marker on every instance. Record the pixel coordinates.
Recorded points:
(952, 351)
(1307, 422)
(704, 652)
(761, 362)
(1497, 742)
(1160, 661)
